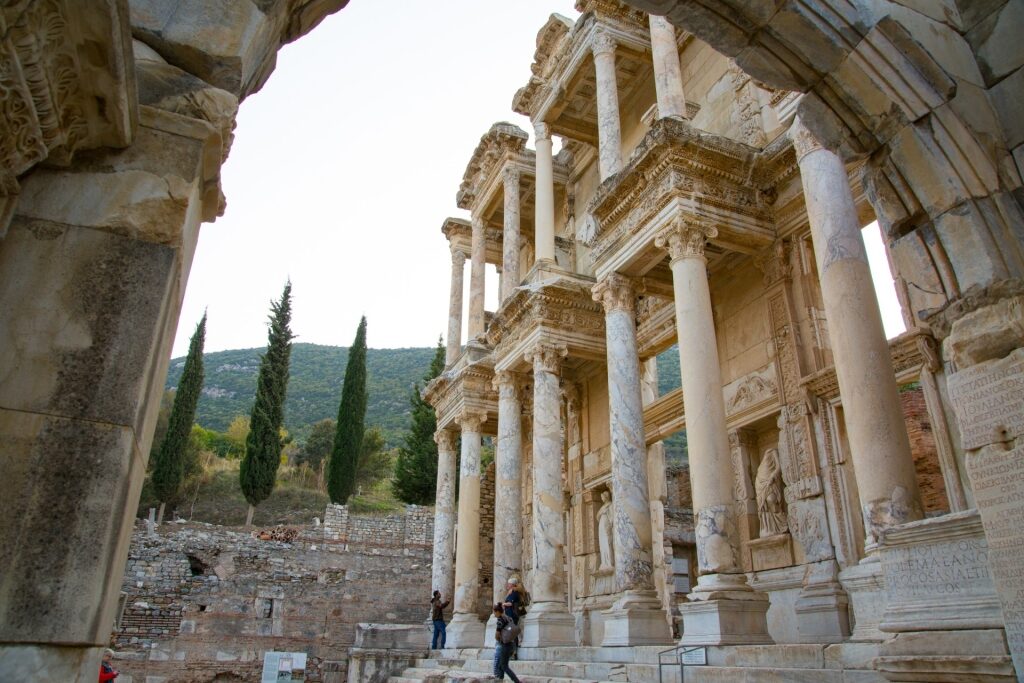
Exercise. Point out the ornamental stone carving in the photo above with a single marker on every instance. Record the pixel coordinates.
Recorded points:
(616, 293)
(605, 537)
(768, 488)
(686, 238)
(472, 420)
(507, 384)
(546, 357)
(541, 131)
(604, 43)
(804, 141)
(445, 439)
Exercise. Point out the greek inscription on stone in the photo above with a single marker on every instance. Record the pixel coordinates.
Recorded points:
(950, 568)
(989, 401)
(997, 477)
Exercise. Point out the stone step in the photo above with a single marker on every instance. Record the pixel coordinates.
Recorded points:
(585, 670)
(723, 674)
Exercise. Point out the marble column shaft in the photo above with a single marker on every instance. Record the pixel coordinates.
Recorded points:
(609, 128)
(544, 201)
(879, 445)
(630, 503)
(668, 76)
(443, 568)
(711, 474)
(508, 491)
(467, 551)
(477, 268)
(510, 237)
(548, 513)
(455, 308)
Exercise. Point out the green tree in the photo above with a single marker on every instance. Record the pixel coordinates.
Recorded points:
(375, 461)
(318, 444)
(416, 467)
(169, 468)
(258, 471)
(348, 439)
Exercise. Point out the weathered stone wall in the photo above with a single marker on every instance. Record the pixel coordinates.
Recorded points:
(202, 601)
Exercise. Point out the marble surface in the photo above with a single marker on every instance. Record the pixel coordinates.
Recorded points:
(609, 128)
(477, 269)
(508, 492)
(510, 238)
(467, 552)
(668, 77)
(443, 570)
(454, 345)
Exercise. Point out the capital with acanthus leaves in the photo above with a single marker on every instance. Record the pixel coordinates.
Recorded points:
(616, 292)
(685, 238)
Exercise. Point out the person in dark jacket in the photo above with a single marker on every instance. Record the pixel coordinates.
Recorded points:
(505, 650)
(437, 616)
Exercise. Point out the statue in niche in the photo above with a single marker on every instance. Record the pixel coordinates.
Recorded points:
(604, 533)
(768, 488)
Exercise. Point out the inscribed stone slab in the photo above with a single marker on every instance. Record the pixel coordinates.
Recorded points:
(989, 400)
(997, 477)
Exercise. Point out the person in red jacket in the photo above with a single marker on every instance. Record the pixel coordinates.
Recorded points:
(107, 672)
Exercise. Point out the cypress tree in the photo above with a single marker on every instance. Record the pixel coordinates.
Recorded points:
(169, 465)
(258, 471)
(416, 467)
(348, 439)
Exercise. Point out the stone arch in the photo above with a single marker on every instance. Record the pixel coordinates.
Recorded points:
(916, 93)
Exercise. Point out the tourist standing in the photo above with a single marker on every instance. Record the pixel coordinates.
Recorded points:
(107, 672)
(505, 644)
(514, 607)
(437, 616)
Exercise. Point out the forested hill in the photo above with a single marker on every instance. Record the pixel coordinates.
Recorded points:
(314, 389)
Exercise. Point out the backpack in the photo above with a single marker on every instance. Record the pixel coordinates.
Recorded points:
(509, 632)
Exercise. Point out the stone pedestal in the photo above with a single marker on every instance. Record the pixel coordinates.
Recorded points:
(771, 552)
(635, 619)
(464, 630)
(865, 586)
(548, 625)
(725, 616)
(976, 656)
(822, 608)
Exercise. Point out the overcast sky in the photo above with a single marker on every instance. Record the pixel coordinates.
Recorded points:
(346, 164)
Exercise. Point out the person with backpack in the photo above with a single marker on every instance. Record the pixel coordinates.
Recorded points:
(515, 606)
(437, 617)
(506, 633)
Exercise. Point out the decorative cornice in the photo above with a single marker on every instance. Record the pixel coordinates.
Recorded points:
(616, 292)
(546, 357)
(502, 139)
(686, 238)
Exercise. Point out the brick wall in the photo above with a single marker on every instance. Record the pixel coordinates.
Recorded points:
(922, 447)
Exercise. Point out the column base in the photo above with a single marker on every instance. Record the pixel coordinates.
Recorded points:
(548, 624)
(636, 618)
(489, 628)
(724, 610)
(822, 608)
(464, 630)
(865, 585)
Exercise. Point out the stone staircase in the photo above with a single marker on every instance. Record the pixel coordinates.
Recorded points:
(843, 663)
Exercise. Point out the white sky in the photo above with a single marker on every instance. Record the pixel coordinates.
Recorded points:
(346, 164)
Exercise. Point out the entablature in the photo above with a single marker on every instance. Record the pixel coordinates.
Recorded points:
(465, 389)
(560, 311)
(679, 170)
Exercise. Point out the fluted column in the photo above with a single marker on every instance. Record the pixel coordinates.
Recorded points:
(609, 130)
(478, 255)
(723, 609)
(455, 308)
(879, 445)
(510, 238)
(668, 76)
(635, 617)
(443, 569)
(548, 623)
(466, 628)
(544, 200)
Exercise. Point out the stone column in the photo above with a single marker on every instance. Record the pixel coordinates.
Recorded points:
(723, 610)
(466, 629)
(477, 266)
(548, 623)
(880, 448)
(668, 77)
(544, 201)
(635, 617)
(442, 574)
(455, 308)
(609, 131)
(510, 239)
(508, 491)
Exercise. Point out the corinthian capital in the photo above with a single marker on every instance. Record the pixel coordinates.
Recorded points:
(546, 357)
(445, 439)
(458, 258)
(507, 384)
(541, 131)
(603, 43)
(471, 420)
(804, 141)
(511, 176)
(616, 293)
(685, 238)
